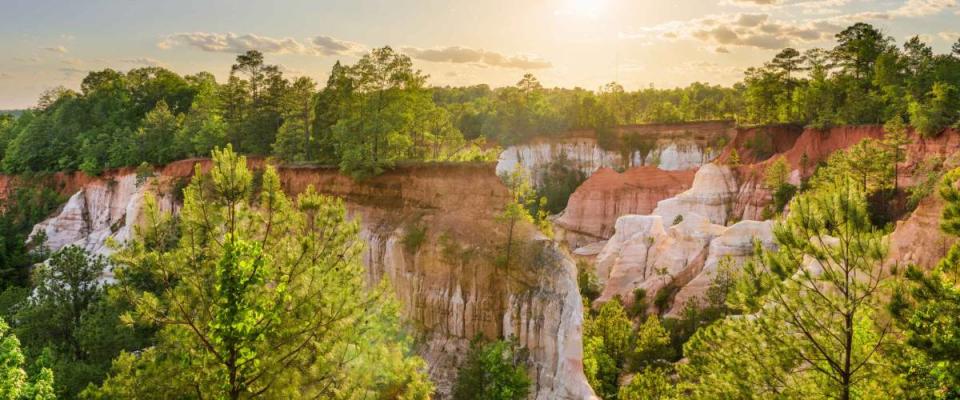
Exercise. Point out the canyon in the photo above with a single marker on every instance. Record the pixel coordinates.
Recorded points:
(448, 286)
(669, 210)
(657, 230)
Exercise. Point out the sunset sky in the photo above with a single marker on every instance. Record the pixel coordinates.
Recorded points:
(666, 43)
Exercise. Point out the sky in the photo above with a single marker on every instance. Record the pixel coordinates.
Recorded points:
(587, 43)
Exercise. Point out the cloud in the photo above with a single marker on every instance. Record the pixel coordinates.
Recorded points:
(328, 46)
(951, 37)
(71, 71)
(477, 57)
(56, 49)
(144, 61)
(809, 5)
(4, 75)
(741, 30)
(233, 43)
(721, 50)
(922, 8)
(711, 68)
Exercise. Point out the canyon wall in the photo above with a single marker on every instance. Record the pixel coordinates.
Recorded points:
(668, 147)
(681, 242)
(448, 285)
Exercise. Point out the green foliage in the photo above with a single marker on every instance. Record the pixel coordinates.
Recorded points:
(929, 313)
(864, 79)
(653, 346)
(557, 181)
(814, 302)
(259, 296)
(70, 322)
(14, 382)
(608, 341)
(938, 111)
(650, 384)
(414, 237)
(523, 208)
(144, 171)
(734, 159)
(28, 202)
(775, 179)
(494, 370)
(587, 282)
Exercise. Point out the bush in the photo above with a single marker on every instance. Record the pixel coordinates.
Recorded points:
(556, 182)
(144, 172)
(494, 370)
(414, 237)
(638, 309)
(587, 281)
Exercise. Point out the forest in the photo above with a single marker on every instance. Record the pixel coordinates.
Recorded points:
(246, 294)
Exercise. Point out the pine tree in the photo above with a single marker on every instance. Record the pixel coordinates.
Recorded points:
(814, 329)
(263, 295)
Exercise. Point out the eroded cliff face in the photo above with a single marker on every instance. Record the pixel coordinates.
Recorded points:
(668, 147)
(595, 206)
(447, 283)
(683, 258)
(684, 238)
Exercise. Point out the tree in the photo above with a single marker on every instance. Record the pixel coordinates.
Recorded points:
(734, 159)
(69, 321)
(28, 202)
(262, 296)
(775, 179)
(930, 117)
(895, 139)
(495, 370)
(375, 133)
(787, 62)
(333, 103)
(814, 329)
(294, 138)
(203, 128)
(156, 136)
(523, 207)
(858, 47)
(608, 341)
(14, 382)
(649, 384)
(929, 313)
(253, 99)
(652, 345)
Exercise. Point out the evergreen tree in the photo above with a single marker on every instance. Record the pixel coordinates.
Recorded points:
(262, 296)
(815, 329)
(14, 382)
(495, 370)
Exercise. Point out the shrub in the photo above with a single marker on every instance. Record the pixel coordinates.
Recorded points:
(144, 172)
(587, 281)
(494, 370)
(414, 237)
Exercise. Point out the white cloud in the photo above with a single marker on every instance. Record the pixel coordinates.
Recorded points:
(741, 30)
(71, 71)
(951, 37)
(233, 43)
(56, 49)
(143, 61)
(478, 57)
(328, 46)
(922, 8)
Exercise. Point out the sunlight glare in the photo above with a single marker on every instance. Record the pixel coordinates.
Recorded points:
(584, 8)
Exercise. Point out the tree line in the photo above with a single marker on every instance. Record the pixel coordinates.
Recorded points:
(865, 79)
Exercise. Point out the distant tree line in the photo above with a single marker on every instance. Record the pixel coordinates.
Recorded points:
(864, 79)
